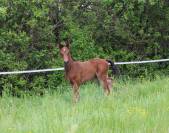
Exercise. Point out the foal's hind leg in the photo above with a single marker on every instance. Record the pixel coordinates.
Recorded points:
(103, 79)
(106, 86)
(110, 82)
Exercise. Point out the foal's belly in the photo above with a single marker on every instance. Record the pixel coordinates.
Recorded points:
(87, 78)
(87, 74)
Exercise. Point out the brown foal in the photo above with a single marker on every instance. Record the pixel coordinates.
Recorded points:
(78, 72)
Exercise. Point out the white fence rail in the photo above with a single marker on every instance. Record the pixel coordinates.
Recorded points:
(60, 69)
(141, 62)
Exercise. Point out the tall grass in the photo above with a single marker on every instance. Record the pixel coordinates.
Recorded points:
(132, 107)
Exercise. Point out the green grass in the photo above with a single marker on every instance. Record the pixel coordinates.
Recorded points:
(137, 107)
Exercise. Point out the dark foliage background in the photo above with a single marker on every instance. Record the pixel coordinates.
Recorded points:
(121, 30)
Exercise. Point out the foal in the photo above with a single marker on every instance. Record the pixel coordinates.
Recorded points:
(78, 72)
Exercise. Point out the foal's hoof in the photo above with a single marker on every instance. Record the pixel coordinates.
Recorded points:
(76, 100)
(107, 93)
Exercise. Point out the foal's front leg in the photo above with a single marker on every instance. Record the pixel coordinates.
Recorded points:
(76, 96)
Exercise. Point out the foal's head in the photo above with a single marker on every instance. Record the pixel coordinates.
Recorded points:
(64, 51)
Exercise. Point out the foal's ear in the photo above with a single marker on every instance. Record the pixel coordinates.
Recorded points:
(67, 42)
(60, 46)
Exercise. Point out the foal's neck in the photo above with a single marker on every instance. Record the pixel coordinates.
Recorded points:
(70, 58)
(67, 65)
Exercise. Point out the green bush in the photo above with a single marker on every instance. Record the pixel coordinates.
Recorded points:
(116, 30)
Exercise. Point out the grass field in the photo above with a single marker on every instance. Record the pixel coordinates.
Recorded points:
(133, 106)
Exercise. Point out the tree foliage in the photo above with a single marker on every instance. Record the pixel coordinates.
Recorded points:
(121, 30)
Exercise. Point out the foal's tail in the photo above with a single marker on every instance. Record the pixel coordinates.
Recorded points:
(115, 69)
